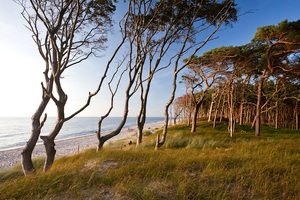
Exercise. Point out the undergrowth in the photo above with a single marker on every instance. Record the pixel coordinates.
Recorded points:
(207, 164)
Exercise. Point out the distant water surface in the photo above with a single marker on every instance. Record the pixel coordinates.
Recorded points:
(15, 131)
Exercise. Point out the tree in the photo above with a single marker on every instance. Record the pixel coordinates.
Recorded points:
(195, 17)
(66, 33)
(206, 69)
(266, 74)
(179, 105)
(281, 41)
(134, 60)
(151, 34)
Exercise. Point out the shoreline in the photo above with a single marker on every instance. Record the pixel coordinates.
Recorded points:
(69, 146)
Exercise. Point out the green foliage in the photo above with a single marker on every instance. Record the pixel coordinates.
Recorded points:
(181, 14)
(207, 164)
(285, 31)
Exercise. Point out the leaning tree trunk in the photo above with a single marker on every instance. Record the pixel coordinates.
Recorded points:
(161, 141)
(258, 107)
(103, 139)
(231, 121)
(141, 118)
(26, 160)
(210, 109)
(140, 121)
(60, 106)
(50, 144)
(195, 115)
(50, 152)
(139, 138)
(37, 125)
(241, 113)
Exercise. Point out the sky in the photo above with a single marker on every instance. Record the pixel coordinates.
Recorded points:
(21, 66)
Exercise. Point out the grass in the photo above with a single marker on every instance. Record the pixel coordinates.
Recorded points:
(207, 164)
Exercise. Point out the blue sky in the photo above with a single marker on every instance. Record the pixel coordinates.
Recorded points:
(21, 66)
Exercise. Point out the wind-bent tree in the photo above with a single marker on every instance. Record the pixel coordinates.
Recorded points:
(134, 61)
(281, 41)
(66, 33)
(187, 21)
(265, 73)
(204, 71)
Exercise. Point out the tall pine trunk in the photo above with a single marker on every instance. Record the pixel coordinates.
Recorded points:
(296, 116)
(258, 106)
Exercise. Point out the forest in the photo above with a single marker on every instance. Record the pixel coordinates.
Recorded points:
(256, 83)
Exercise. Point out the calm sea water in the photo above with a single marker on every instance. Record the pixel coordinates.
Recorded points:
(15, 131)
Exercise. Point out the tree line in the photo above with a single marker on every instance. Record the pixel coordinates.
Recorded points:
(255, 83)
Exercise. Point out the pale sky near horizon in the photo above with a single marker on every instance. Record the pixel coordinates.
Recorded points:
(21, 66)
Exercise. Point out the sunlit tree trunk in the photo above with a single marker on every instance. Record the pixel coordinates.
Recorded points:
(276, 115)
(26, 162)
(210, 109)
(195, 116)
(37, 125)
(231, 110)
(160, 140)
(217, 109)
(258, 104)
(296, 116)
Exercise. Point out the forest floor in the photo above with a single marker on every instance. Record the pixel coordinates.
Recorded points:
(207, 164)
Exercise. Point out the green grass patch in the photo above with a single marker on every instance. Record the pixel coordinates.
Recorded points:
(207, 164)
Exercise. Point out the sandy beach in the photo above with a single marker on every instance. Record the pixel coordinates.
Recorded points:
(71, 146)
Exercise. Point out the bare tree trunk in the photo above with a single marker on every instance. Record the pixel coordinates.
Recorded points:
(140, 127)
(141, 119)
(50, 152)
(296, 116)
(241, 116)
(103, 139)
(231, 108)
(210, 109)
(26, 161)
(195, 116)
(217, 109)
(222, 111)
(50, 144)
(276, 116)
(190, 111)
(132, 74)
(258, 106)
(161, 141)
(37, 125)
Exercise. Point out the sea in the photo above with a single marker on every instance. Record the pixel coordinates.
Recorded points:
(15, 131)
